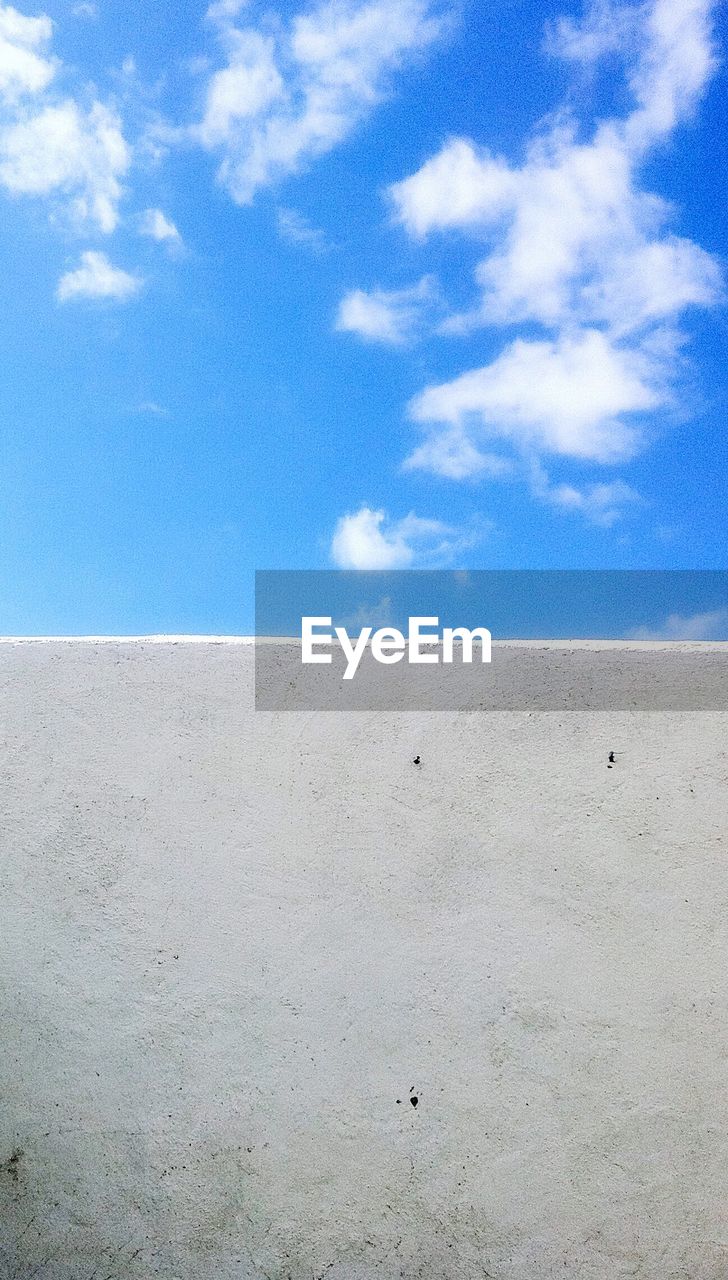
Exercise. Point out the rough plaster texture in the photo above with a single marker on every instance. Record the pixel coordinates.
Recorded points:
(236, 945)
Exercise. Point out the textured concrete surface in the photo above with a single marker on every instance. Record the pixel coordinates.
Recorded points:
(237, 947)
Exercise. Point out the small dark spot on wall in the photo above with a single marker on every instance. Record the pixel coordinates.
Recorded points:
(11, 1166)
(414, 1100)
(417, 760)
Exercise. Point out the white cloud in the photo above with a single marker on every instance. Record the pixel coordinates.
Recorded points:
(574, 237)
(604, 29)
(52, 145)
(459, 187)
(243, 90)
(151, 407)
(85, 9)
(157, 226)
(450, 452)
(567, 396)
(377, 614)
(391, 317)
(674, 66)
(25, 68)
(285, 98)
(652, 282)
(297, 229)
(97, 278)
(368, 539)
(577, 247)
(223, 9)
(601, 504)
(64, 150)
(669, 49)
(712, 625)
(571, 204)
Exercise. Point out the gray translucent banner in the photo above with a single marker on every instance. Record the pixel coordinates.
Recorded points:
(560, 640)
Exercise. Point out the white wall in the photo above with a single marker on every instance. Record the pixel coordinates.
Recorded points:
(233, 943)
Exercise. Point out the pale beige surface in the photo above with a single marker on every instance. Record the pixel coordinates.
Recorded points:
(232, 941)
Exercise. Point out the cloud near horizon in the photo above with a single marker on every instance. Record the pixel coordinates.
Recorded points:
(712, 625)
(369, 539)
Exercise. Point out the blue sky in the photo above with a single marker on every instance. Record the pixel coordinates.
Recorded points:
(376, 284)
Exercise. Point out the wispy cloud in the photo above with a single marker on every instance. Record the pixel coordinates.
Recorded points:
(152, 408)
(224, 9)
(712, 625)
(604, 29)
(377, 614)
(96, 278)
(391, 317)
(159, 227)
(600, 504)
(451, 453)
(296, 229)
(369, 539)
(290, 94)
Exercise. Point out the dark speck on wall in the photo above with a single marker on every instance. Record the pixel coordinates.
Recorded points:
(11, 1166)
